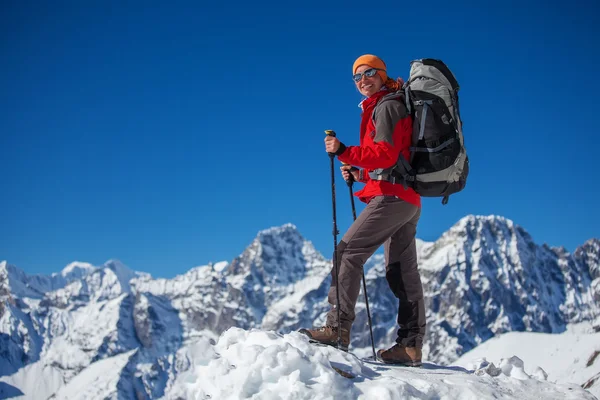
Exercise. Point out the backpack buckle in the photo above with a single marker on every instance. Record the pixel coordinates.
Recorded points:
(388, 178)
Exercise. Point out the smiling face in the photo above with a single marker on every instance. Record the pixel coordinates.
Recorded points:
(368, 86)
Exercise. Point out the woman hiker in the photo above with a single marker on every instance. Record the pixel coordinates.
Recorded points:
(390, 217)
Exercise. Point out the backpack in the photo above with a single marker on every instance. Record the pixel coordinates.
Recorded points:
(438, 164)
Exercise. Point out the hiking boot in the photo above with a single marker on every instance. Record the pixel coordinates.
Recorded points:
(328, 335)
(397, 354)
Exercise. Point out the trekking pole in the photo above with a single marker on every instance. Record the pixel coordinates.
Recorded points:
(350, 182)
(335, 233)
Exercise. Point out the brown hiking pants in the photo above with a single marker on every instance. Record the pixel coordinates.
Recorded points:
(393, 222)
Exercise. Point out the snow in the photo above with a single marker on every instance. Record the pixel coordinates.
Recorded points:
(220, 266)
(79, 334)
(34, 381)
(292, 302)
(122, 275)
(78, 269)
(549, 352)
(265, 365)
(98, 381)
(483, 277)
(39, 380)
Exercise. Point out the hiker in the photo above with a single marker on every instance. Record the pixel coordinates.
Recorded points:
(390, 217)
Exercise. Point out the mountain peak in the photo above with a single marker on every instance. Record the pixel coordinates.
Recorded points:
(288, 229)
(589, 253)
(277, 259)
(280, 238)
(77, 269)
(478, 220)
(123, 273)
(591, 244)
(496, 226)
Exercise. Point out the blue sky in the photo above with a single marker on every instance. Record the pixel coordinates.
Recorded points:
(166, 136)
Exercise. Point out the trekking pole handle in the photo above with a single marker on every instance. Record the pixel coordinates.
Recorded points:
(350, 180)
(331, 133)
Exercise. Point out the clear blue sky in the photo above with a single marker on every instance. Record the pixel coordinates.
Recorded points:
(168, 135)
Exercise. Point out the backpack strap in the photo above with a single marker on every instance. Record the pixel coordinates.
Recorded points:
(397, 95)
(407, 99)
(426, 104)
(401, 172)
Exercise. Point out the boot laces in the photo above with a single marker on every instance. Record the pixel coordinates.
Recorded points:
(324, 328)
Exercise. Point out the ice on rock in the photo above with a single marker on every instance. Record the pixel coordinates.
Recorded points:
(540, 374)
(514, 368)
(482, 366)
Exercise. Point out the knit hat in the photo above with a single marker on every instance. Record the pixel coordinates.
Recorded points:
(373, 62)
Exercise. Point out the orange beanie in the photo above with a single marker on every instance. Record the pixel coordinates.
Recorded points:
(373, 62)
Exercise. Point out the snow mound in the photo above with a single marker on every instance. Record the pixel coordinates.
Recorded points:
(512, 367)
(537, 355)
(266, 365)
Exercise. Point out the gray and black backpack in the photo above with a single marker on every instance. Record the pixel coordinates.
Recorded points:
(438, 164)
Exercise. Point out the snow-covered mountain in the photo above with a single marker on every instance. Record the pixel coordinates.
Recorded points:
(483, 277)
(487, 276)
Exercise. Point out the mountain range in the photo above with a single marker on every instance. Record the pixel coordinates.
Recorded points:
(483, 277)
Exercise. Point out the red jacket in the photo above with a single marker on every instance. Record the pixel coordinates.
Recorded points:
(381, 142)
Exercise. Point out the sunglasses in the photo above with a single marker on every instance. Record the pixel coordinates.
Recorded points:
(368, 73)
